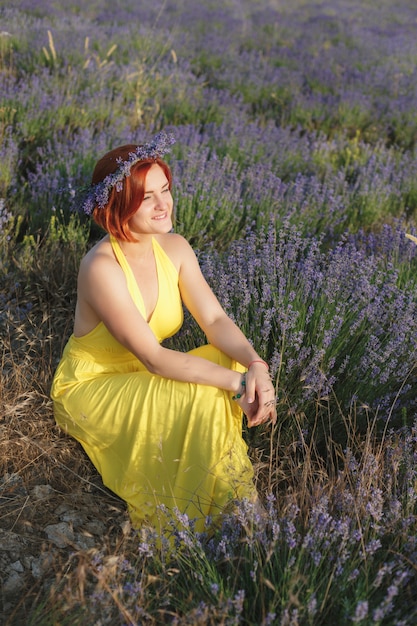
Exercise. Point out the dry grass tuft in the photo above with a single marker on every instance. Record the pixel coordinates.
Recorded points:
(46, 479)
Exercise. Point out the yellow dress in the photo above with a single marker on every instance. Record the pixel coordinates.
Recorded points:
(155, 441)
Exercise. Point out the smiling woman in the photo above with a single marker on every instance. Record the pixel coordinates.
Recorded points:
(162, 427)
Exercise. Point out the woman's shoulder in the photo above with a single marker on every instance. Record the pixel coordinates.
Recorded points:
(101, 254)
(171, 239)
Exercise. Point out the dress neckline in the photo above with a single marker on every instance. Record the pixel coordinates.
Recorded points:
(132, 284)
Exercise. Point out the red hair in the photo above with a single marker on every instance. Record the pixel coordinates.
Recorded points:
(122, 205)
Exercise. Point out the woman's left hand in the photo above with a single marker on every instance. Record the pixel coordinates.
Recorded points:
(259, 401)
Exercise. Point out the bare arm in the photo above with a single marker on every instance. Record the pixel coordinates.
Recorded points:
(259, 399)
(103, 295)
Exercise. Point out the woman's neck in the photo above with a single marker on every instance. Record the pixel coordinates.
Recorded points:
(140, 250)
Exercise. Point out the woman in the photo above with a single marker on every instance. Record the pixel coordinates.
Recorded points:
(162, 427)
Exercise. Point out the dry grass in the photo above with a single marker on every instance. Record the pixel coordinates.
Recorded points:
(45, 475)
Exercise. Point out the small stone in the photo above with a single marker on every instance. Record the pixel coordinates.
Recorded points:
(13, 584)
(41, 565)
(73, 517)
(60, 534)
(17, 567)
(40, 492)
(95, 527)
(84, 542)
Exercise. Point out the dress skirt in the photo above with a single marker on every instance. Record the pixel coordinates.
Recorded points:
(159, 444)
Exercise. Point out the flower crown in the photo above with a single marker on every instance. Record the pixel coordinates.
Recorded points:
(98, 194)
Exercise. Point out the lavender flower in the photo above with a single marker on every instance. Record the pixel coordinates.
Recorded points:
(361, 612)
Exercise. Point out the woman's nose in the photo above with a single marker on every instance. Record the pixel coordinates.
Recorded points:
(161, 202)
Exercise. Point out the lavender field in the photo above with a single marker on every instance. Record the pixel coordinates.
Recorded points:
(295, 179)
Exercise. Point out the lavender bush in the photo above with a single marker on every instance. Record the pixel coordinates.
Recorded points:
(318, 555)
(329, 173)
(295, 180)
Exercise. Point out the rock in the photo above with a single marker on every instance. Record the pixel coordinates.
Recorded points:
(11, 544)
(13, 584)
(17, 567)
(60, 534)
(84, 541)
(42, 564)
(95, 527)
(73, 517)
(40, 492)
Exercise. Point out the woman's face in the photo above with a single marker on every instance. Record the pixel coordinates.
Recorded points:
(154, 214)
